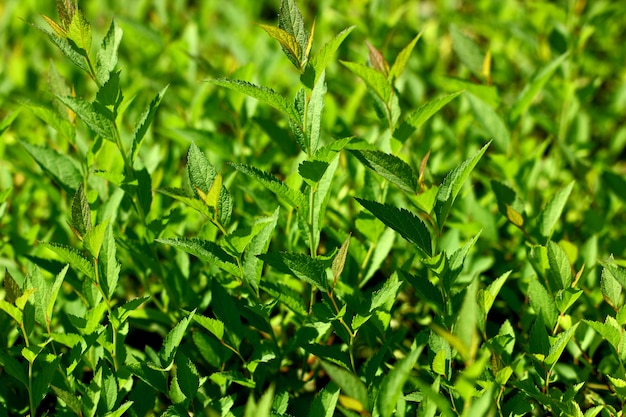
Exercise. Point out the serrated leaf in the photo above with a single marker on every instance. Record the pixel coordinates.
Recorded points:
(560, 268)
(206, 251)
(99, 122)
(314, 114)
(120, 410)
(290, 20)
(81, 213)
(566, 298)
(350, 384)
(252, 265)
(401, 60)
(312, 171)
(108, 263)
(106, 58)
(52, 119)
(187, 376)
(60, 167)
(263, 94)
(72, 401)
(66, 10)
(554, 210)
(42, 296)
(409, 226)
(319, 202)
(41, 384)
(425, 290)
(558, 346)
(417, 118)
(611, 289)
(393, 383)
(490, 121)
(144, 122)
(108, 388)
(325, 402)
(389, 167)
(12, 290)
(214, 326)
(92, 241)
(294, 197)
(452, 185)
(339, 260)
(72, 257)
(290, 45)
(375, 80)
(533, 87)
(286, 295)
(11, 310)
(79, 31)
(320, 61)
(616, 272)
(310, 270)
(467, 50)
(201, 172)
(542, 302)
(68, 49)
(386, 294)
(172, 341)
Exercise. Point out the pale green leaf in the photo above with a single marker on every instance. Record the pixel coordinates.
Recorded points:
(389, 167)
(121, 410)
(452, 185)
(214, 326)
(611, 289)
(560, 268)
(542, 302)
(491, 122)
(374, 79)
(553, 211)
(386, 295)
(68, 49)
(60, 167)
(293, 197)
(467, 320)
(79, 31)
(201, 172)
(92, 240)
(558, 346)
(11, 310)
(320, 201)
(320, 61)
(106, 58)
(94, 118)
(533, 87)
(252, 265)
(72, 257)
(410, 227)
(314, 114)
(144, 122)
(467, 50)
(108, 263)
(339, 260)
(310, 270)
(325, 402)
(206, 251)
(52, 119)
(418, 117)
(263, 94)
(401, 60)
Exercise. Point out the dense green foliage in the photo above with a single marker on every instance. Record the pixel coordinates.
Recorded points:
(357, 208)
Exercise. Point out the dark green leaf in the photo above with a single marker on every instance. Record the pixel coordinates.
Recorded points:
(72, 257)
(71, 400)
(187, 376)
(144, 122)
(206, 251)
(542, 302)
(389, 167)
(172, 341)
(291, 196)
(95, 117)
(12, 290)
(350, 384)
(393, 383)
(425, 290)
(310, 270)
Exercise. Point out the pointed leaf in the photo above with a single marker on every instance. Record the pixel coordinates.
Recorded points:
(106, 58)
(467, 50)
(92, 241)
(425, 290)
(252, 265)
(320, 61)
(611, 289)
(97, 121)
(526, 96)
(68, 49)
(325, 402)
(350, 384)
(108, 263)
(452, 185)
(60, 167)
(291, 196)
(79, 31)
(320, 201)
(314, 113)
(214, 326)
(374, 79)
(290, 20)
(558, 346)
(490, 121)
(206, 251)
(401, 60)
(310, 270)
(410, 227)
(417, 118)
(263, 94)
(81, 213)
(290, 45)
(542, 302)
(144, 122)
(389, 167)
(187, 376)
(340, 259)
(12, 290)
(560, 267)
(553, 210)
(377, 60)
(71, 400)
(393, 383)
(72, 257)
(201, 172)
(172, 341)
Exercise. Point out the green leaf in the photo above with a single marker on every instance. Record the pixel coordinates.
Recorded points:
(172, 341)
(560, 268)
(290, 20)
(452, 185)
(92, 241)
(468, 51)
(60, 167)
(72, 257)
(320, 61)
(187, 376)
(289, 43)
(417, 118)
(108, 263)
(350, 384)
(539, 339)
(542, 302)
(286, 295)
(410, 227)
(214, 326)
(554, 210)
(491, 121)
(532, 88)
(12, 290)
(11, 310)
(263, 94)
(252, 265)
(374, 79)
(52, 119)
(312, 171)
(558, 346)
(615, 271)
(425, 290)
(41, 384)
(81, 213)
(325, 402)
(68, 49)
(206, 251)
(386, 295)
(106, 58)
(144, 122)
(108, 388)
(121, 410)
(46, 294)
(13, 367)
(390, 167)
(611, 289)
(72, 401)
(401, 60)
(310, 270)
(293, 197)
(314, 114)
(339, 260)
(94, 118)
(320, 201)
(79, 31)
(7, 121)
(487, 296)
(466, 322)
(393, 383)
(566, 298)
